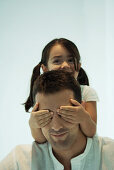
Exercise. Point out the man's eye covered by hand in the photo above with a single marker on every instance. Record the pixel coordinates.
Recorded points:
(39, 118)
(74, 113)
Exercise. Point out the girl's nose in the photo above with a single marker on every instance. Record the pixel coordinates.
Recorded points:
(65, 64)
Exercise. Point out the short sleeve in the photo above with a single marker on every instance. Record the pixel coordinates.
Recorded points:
(88, 94)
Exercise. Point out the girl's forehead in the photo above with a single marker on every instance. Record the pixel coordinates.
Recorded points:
(58, 49)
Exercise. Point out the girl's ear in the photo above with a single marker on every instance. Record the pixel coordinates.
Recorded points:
(44, 68)
(77, 72)
(79, 65)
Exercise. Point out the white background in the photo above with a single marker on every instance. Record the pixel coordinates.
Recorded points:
(25, 28)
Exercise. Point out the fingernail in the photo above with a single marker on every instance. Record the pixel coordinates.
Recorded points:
(58, 110)
(51, 113)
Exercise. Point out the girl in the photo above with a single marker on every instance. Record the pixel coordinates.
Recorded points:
(63, 54)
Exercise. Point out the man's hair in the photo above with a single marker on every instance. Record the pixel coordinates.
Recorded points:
(54, 81)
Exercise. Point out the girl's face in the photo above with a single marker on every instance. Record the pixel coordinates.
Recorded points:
(60, 58)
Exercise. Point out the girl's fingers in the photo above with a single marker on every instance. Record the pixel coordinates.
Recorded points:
(35, 108)
(45, 123)
(67, 116)
(50, 114)
(67, 108)
(68, 120)
(75, 102)
(67, 112)
(40, 112)
(44, 118)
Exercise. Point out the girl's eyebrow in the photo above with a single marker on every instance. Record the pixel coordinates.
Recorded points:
(70, 56)
(57, 56)
(60, 56)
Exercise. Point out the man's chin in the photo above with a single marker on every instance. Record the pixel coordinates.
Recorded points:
(60, 144)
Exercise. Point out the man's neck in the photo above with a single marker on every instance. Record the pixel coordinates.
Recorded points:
(65, 156)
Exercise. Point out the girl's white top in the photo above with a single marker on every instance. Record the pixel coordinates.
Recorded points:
(88, 94)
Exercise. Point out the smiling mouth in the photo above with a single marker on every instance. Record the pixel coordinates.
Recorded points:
(59, 135)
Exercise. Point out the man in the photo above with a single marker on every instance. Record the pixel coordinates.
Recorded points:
(66, 147)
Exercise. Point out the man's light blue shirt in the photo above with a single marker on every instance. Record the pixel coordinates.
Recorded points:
(98, 155)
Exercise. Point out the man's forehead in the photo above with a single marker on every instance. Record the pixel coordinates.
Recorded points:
(54, 100)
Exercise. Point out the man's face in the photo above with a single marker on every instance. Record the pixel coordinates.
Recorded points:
(59, 133)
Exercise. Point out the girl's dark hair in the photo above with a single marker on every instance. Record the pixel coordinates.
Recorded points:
(72, 48)
(82, 77)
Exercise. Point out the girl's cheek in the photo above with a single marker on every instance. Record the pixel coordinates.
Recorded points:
(56, 68)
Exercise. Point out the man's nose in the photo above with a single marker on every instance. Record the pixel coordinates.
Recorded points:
(56, 123)
(65, 64)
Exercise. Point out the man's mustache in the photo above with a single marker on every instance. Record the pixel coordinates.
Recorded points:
(61, 131)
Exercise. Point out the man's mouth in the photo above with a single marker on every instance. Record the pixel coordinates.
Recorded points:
(58, 134)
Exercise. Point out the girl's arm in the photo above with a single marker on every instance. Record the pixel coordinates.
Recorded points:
(89, 125)
(91, 108)
(38, 135)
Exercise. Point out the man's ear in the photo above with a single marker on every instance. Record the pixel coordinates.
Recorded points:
(44, 68)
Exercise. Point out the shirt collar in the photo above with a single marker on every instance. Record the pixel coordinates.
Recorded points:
(57, 164)
(75, 162)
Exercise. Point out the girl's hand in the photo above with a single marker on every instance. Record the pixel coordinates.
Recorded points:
(73, 114)
(39, 119)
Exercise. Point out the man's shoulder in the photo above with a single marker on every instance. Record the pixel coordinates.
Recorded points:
(20, 157)
(23, 147)
(104, 141)
(108, 144)
(105, 144)
(30, 148)
(107, 152)
(23, 156)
